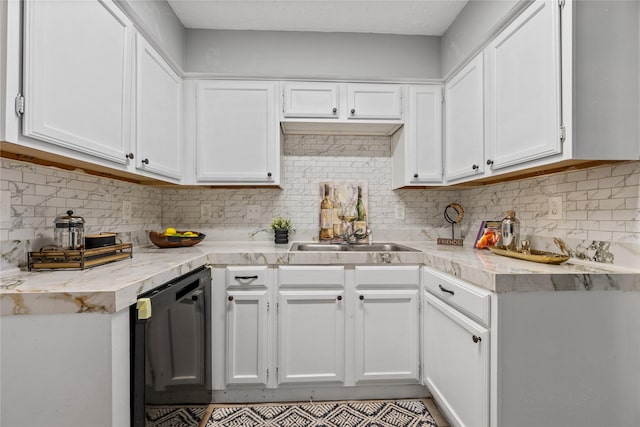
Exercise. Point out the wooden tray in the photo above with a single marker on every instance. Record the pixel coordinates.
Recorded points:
(56, 258)
(533, 255)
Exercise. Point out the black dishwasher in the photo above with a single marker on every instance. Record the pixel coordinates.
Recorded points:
(171, 345)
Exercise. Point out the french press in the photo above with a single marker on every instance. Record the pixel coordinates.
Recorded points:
(69, 231)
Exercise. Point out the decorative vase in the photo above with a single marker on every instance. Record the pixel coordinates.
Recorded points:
(282, 236)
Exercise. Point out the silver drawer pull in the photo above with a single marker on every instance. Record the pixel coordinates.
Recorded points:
(476, 339)
(443, 289)
(245, 277)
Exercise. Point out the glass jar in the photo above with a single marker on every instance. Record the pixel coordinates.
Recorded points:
(69, 231)
(510, 231)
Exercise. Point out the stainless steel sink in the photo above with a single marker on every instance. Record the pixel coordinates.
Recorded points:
(352, 247)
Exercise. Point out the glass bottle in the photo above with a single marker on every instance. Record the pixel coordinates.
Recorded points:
(510, 231)
(326, 216)
(361, 221)
(337, 208)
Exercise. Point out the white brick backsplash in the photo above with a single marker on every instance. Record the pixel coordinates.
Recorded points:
(600, 203)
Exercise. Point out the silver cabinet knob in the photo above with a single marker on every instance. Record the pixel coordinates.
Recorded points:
(353, 111)
(475, 167)
(145, 161)
(129, 156)
(335, 110)
(476, 339)
(489, 162)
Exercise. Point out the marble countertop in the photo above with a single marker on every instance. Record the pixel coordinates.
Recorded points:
(113, 287)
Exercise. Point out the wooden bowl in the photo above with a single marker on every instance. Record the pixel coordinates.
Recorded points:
(163, 241)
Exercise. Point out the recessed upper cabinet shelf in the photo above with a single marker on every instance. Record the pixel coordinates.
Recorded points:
(341, 108)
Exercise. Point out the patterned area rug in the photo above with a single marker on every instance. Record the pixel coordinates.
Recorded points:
(389, 413)
(174, 416)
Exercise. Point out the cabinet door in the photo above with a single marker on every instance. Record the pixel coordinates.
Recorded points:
(464, 146)
(236, 135)
(319, 100)
(311, 336)
(374, 101)
(387, 335)
(456, 363)
(524, 88)
(247, 328)
(77, 76)
(158, 110)
(424, 135)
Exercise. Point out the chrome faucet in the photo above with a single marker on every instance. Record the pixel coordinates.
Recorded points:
(347, 236)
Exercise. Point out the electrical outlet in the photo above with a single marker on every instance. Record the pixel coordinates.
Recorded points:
(205, 212)
(253, 211)
(399, 212)
(126, 210)
(555, 207)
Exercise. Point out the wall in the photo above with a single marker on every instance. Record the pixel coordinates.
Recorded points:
(34, 195)
(161, 23)
(308, 160)
(470, 29)
(601, 211)
(311, 55)
(601, 204)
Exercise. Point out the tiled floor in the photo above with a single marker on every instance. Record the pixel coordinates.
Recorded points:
(379, 413)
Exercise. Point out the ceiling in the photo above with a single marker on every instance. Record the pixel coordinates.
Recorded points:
(417, 17)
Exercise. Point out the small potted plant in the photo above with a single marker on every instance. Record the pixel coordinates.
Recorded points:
(281, 227)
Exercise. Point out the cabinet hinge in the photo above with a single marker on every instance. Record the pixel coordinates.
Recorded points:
(19, 105)
(419, 370)
(563, 133)
(267, 373)
(561, 4)
(268, 308)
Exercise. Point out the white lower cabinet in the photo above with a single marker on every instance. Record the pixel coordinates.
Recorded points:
(386, 333)
(247, 325)
(456, 363)
(456, 348)
(311, 325)
(247, 334)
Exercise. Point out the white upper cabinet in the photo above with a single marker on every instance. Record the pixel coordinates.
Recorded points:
(77, 77)
(319, 100)
(158, 113)
(237, 137)
(417, 148)
(374, 101)
(464, 104)
(311, 108)
(523, 90)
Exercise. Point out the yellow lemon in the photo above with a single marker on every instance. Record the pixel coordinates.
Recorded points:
(189, 234)
(170, 231)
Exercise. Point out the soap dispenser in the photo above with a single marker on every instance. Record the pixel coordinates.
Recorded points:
(510, 230)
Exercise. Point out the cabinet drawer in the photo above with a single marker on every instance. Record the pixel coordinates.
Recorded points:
(311, 275)
(470, 300)
(247, 276)
(373, 276)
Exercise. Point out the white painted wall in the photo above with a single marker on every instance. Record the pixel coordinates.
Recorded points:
(470, 29)
(3, 72)
(281, 54)
(606, 72)
(65, 370)
(163, 25)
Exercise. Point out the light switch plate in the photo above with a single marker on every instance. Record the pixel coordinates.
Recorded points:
(253, 211)
(126, 210)
(555, 207)
(205, 212)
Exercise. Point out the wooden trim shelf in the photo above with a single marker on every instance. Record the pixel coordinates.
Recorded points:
(56, 258)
